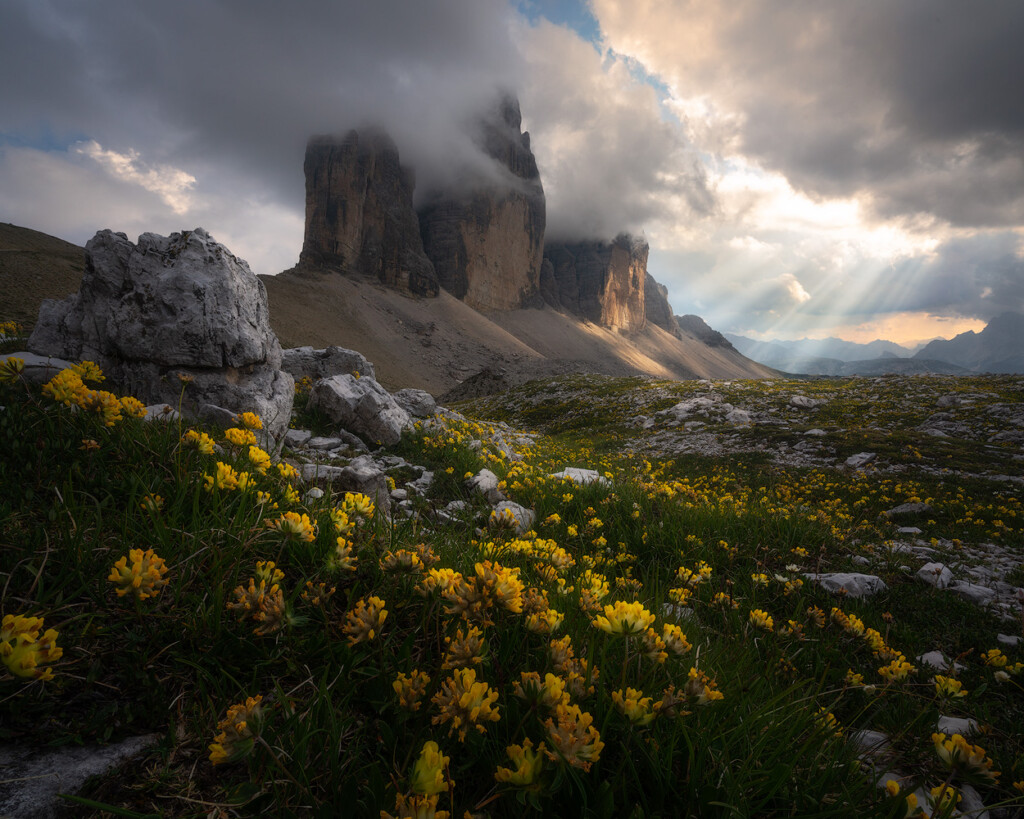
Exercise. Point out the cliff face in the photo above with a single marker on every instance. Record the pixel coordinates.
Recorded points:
(603, 282)
(659, 311)
(359, 212)
(486, 244)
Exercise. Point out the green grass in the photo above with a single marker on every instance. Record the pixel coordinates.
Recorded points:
(333, 738)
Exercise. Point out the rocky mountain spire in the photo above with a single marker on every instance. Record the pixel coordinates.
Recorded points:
(603, 282)
(486, 241)
(359, 212)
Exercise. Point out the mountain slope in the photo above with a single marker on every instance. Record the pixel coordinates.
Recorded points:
(35, 266)
(433, 344)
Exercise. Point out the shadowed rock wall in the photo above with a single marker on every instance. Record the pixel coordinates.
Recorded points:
(486, 241)
(359, 212)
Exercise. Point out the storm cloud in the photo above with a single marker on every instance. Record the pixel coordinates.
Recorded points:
(912, 105)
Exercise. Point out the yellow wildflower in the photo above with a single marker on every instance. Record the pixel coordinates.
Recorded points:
(225, 478)
(132, 407)
(464, 650)
(23, 650)
(236, 738)
(365, 620)
(249, 420)
(761, 619)
(200, 440)
(240, 437)
(528, 765)
(465, 703)
(958, 754)
(701, 688)
(144, 577)
(401, 561)
(294, 524)
(624, 618)
(949, 688)
(573, 736)
(343, 558)
(411, 689)
(430, 773)
(260, 459)
(674, 638)
(634, 705)
(66, 388)
(11, 369)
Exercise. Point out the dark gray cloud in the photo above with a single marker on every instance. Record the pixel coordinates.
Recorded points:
(232, 87)
(913, 105)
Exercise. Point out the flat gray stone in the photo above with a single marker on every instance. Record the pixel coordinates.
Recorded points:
(322, 442)
(1008, 639)
(855, 584)
(38, 368)
(32, 777)
(581, 476)
(957, 725)
(935, 574)
(908, 509)
(938, 661)
(297, 437)
(860, 459)
(870, 743)
(975, 592)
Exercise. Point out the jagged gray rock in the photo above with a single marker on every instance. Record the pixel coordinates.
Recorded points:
(361, 406)
(418, 403)
(171, 308)
(306, 362)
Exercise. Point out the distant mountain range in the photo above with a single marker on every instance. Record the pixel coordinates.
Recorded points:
(999, 348)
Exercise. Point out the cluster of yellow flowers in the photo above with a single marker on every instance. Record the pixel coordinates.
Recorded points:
(11, 369)
(237, 738)
(365, 621)
(142, 573)
(295, 525)
(67, 387)
(263, 601)
(23, 650)
(430, 778)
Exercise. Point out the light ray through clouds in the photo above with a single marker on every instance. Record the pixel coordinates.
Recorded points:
(799, 168)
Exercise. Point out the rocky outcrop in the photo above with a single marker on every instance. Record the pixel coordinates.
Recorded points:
(174, 318)
(360, 406)
(656, 306)
(699, 329)
(305, 362)
(486, 239)
(359, 212)
(602, 282)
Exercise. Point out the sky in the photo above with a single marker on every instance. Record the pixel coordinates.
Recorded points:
(800, 168)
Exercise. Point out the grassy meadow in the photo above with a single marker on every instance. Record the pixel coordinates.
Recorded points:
(650, 648)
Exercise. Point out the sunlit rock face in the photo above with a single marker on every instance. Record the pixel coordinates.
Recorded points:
(359, 212)
(603, 282)
(486, 238)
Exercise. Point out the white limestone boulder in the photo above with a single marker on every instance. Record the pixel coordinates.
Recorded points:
(172, 319)
(361, 406)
